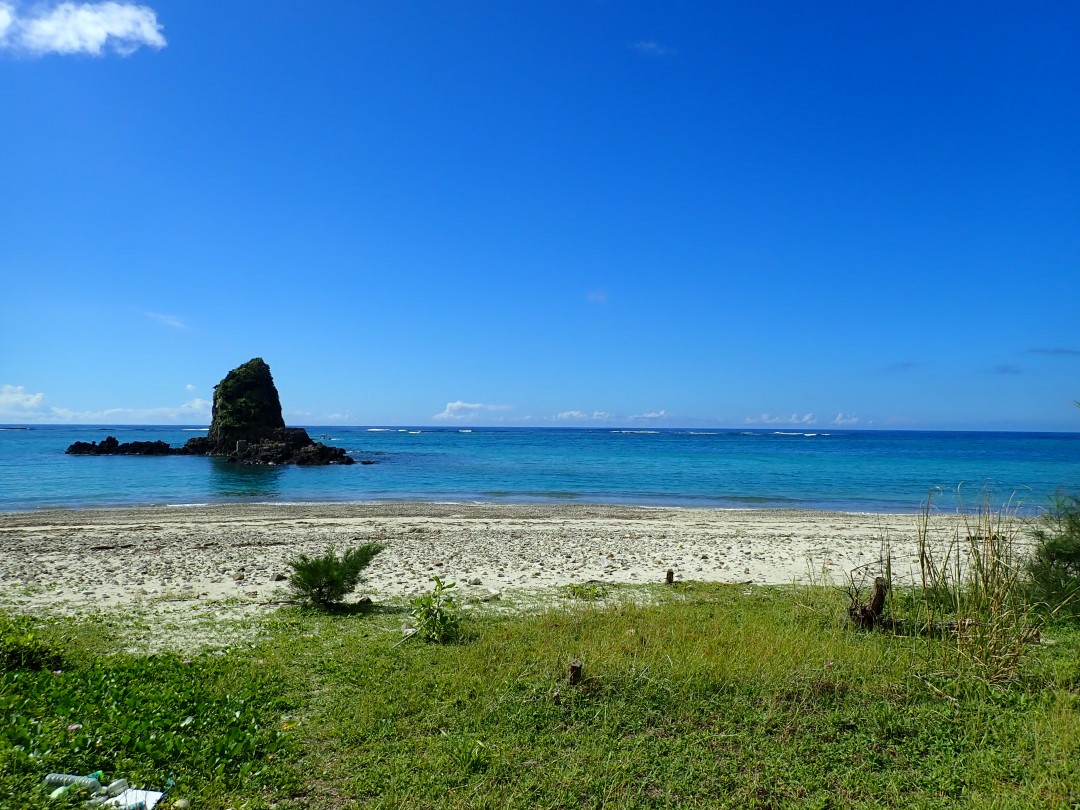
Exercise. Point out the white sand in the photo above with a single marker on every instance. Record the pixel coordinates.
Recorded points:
(66, 561)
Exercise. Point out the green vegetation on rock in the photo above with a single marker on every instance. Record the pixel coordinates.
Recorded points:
(246, 407)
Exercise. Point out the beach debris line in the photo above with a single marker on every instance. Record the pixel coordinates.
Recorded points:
(246, 427)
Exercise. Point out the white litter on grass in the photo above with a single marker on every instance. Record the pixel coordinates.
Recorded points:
(131, 797)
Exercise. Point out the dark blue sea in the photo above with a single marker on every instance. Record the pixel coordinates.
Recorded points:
(866, 471)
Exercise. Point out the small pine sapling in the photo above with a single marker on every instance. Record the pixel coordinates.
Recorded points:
(325, 581)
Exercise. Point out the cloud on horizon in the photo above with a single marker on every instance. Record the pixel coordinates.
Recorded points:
(458, 410)
(794, 419)
(572, 415)
(79, 28)
(845, 419)
(16, 401)
(661, 414)
(18, 405)
(604, 416)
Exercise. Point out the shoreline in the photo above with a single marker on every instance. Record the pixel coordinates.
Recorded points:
(779, 505)
(69, 560)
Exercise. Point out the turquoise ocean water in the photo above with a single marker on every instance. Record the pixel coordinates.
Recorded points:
(844, 470)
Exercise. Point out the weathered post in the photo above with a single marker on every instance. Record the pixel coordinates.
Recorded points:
(574, 673)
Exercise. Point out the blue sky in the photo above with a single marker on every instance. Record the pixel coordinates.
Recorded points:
(544, 213)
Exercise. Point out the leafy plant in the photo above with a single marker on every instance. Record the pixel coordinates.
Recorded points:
(22, 647)
(325, 581)
(437, 615)
(1054, 564)
(586, 591)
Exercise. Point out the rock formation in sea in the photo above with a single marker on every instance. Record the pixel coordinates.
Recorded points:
(246, 409)
(246, 426)
(111, 446)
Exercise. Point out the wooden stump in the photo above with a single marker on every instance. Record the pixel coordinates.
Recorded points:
(574, 673)
(865, 616)
(670, 577)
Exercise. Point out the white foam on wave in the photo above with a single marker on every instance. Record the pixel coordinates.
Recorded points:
(380, 430)
(195, 430)
(464, 431)
(636, 431)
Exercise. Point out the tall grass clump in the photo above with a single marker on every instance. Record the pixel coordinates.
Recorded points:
(325, 581)
(1054, 564)
(975, 594)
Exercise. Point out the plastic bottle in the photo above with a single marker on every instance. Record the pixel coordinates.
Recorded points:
(68, 782)
(116, 787)
(90, 781)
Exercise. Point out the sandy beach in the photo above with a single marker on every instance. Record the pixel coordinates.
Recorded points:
(64, 561)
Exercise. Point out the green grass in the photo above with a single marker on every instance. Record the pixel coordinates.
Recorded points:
(702, 696)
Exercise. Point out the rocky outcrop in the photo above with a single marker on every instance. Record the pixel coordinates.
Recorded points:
(246, 426)
(246, 409)
(110, 446)
(288, 446)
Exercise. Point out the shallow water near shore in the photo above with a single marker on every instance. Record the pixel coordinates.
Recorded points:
(874, 471)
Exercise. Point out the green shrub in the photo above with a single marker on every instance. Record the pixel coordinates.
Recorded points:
(22, 647)
(1054, 565)
(436, 613)
(325, 581)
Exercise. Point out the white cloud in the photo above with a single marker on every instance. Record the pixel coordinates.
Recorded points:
(88, 28)
(197, 411)
(794, 419)
(845, 419)
(601, 416)
(572, 415)
(16, 405)
(16, 402)
(458, 410)
(7, 20)
(167, 320)
(191, 388)
(651, 415)
(650, 48)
